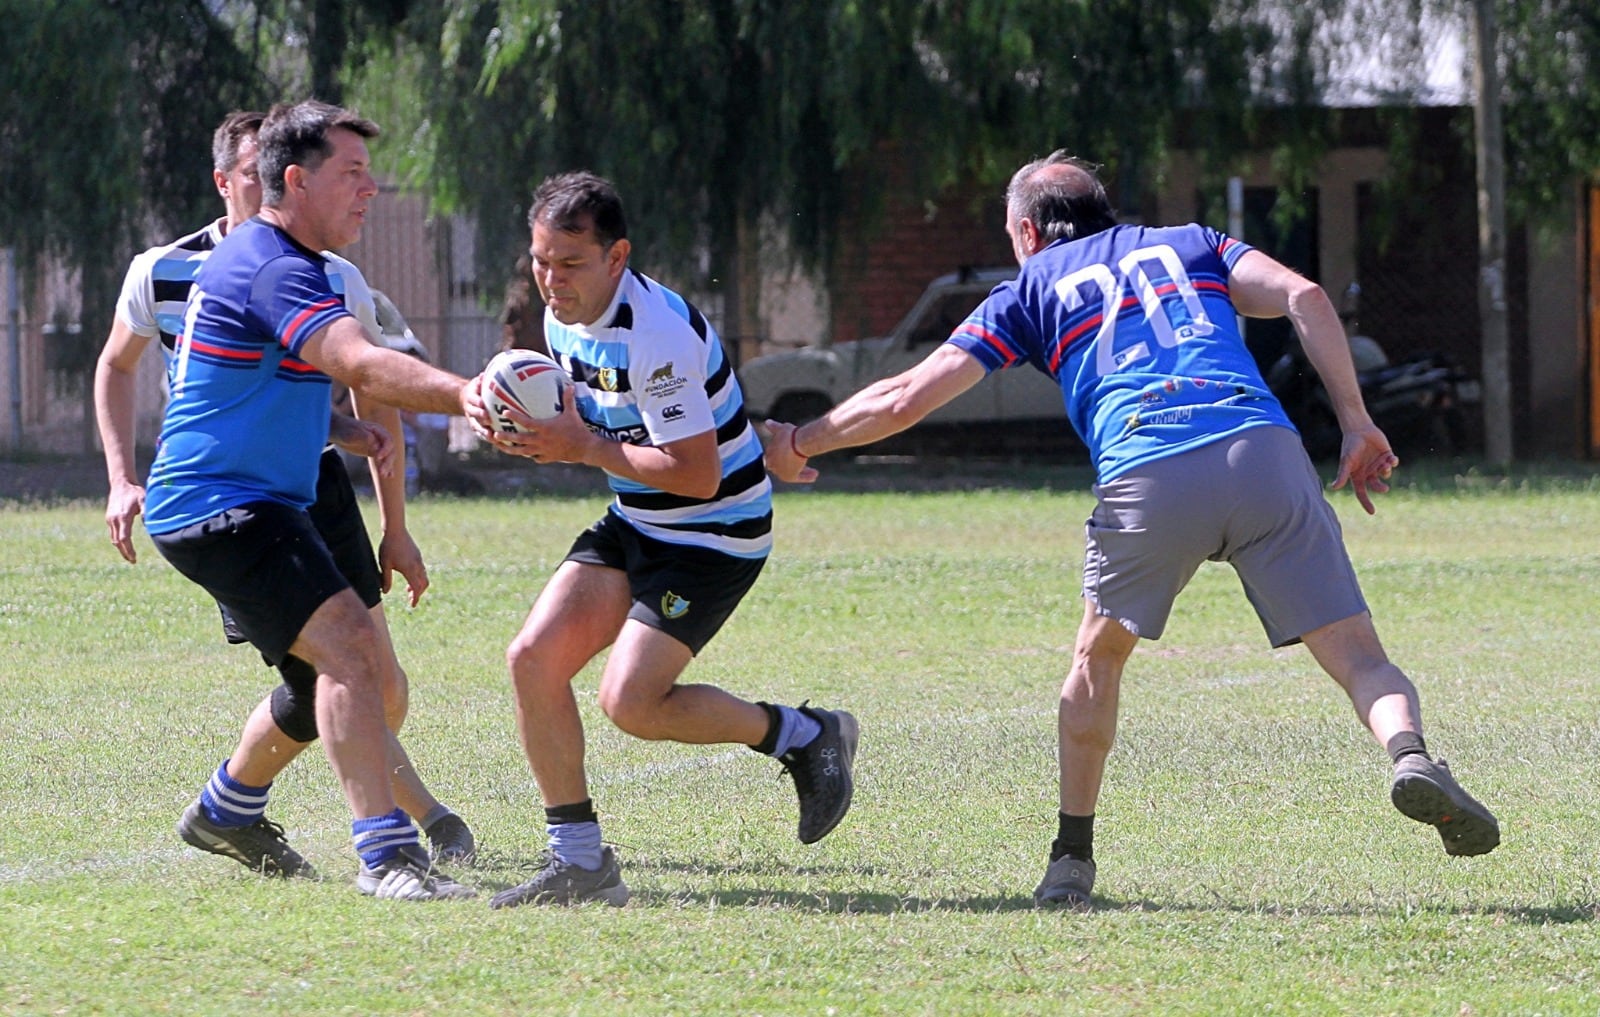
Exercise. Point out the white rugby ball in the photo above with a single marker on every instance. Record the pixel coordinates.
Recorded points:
(525, 379)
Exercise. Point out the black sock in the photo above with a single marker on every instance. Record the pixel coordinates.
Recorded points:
(1404, 744)
(577, 812)
(1075, 837)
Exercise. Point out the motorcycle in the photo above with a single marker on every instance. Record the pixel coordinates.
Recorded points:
(1418, 403)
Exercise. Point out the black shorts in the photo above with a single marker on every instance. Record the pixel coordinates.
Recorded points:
(685, 591)
(264, 563)
(337, 517)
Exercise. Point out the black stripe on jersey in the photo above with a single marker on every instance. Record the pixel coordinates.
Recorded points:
(173, 290)
(719, 377)
(737, 482)
(744, 529)
(733, 428)
(697, 321)
(199, 242)
(623, 318)
(591, 376)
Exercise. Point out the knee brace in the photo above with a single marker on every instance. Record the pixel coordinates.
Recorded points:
(294, 703)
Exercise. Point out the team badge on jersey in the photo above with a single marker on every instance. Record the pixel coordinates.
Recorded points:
(607, 378)
(673, 606)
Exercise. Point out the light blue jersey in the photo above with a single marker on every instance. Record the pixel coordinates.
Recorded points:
(651, 371)
(1136, 325)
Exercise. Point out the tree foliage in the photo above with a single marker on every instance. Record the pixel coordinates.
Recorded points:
(106, 114)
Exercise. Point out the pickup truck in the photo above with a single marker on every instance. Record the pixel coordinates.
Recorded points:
(1015, 410)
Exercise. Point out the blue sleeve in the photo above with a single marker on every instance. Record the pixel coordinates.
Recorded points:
(292, 301)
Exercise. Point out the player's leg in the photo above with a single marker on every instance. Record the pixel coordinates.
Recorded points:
(344, 646)
(261, 563)
(1422, 788)
(337, 516)
(682, 596)
(1150, 530)
(1086, 720)
(577, 615)
(639, 692)
(1289, 551)
(450, 839)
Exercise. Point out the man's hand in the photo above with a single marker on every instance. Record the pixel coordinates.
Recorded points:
(397, 552)
(782, 457)
(563, 438)
(363, 438)
(1365, 462)
(474, 410)
(123, 506)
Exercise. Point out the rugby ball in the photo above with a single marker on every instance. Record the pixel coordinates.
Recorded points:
(526, 380)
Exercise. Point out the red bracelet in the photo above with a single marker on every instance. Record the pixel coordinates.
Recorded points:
(794, 446)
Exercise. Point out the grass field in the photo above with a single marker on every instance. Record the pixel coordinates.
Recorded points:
(1250, 862)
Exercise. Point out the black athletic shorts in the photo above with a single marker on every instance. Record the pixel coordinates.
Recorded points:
(685, 591)
(264, 563)
(337, 516)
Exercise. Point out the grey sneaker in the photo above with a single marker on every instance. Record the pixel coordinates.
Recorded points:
(1066, 884)
(450, 841)
(1424, 790)
(260, 847)
(562, 883)
(822, 772)
(410, 876)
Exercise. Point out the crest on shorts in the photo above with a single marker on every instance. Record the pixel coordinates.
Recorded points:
(673, 606)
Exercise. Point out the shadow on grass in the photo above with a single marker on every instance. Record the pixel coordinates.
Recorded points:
(823, 900)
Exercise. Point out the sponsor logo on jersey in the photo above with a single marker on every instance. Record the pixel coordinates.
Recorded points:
(672, 412)
(663, 383)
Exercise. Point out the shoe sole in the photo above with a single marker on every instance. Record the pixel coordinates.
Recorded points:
(1466, 828)
(849, 738)
(1070, 900)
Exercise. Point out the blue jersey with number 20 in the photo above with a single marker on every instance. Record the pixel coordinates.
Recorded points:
(1136, 325)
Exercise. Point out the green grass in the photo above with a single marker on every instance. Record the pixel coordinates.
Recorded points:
(1250, 861)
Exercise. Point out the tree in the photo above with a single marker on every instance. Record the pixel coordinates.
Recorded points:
(96, 154)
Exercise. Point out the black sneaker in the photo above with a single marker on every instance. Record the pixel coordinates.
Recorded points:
(410, 876)
(1424, 790)
(260, 847)
(450, 841)
(822, 772)
(1066, 884)
(563, 883)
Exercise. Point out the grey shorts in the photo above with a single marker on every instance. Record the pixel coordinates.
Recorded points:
(1252, 500)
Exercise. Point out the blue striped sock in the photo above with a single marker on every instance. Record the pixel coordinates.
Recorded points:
(380, 838)
(227, 802)
(795, 729)
(576, 844)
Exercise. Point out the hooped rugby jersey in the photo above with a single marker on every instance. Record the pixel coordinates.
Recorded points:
(650, 371)
(247, 418)
(1136, 325)
(157, 284)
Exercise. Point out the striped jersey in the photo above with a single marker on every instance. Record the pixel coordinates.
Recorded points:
(650, 371)
(156, 286)
(1137, 326)
(247, 418)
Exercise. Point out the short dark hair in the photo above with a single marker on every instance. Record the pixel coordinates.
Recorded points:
(1066, 203)
(230, 134)
(297, 135)
(574, 202)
